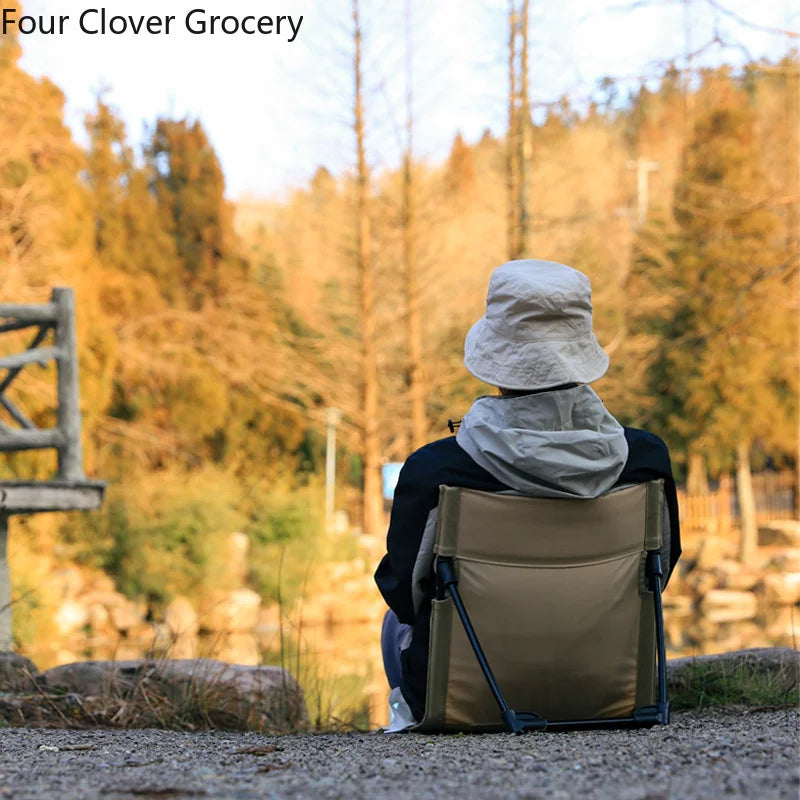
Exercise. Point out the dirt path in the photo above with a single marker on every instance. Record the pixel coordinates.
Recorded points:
(730, 753)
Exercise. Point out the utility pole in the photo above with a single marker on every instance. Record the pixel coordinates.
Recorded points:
(332, 417)
(643, 169)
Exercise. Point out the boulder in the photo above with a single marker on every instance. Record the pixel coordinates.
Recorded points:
(781, 589)
(727, 605)
(66, 583)
(269, 619)
(99, 618)
(780, 665)
(237, 648)
(712, 550)
(230, 695)
(161, 639)
(185, 646)
(71, 616)
(783, 532)
(700, 582)
(91, 678)
(64, 656)
(181, 618)
(100, 582)
(234, 558)
(126, 616)
(16, 673)
(734, 575)
(109, 599)
(786, 560)
(677, 605)
(229, 612)
(127, 650)
(780, 624)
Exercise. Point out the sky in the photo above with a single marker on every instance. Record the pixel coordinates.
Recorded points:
(275, 110)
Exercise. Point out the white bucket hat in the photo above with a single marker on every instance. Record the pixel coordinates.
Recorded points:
(537, 330)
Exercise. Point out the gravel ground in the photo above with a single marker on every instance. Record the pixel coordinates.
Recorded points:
(710, 754)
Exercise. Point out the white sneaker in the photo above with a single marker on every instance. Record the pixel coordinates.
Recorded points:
(400, 716)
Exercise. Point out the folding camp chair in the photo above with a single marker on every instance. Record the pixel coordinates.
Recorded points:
(565, 617)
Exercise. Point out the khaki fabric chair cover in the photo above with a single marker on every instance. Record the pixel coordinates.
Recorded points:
(556, 593)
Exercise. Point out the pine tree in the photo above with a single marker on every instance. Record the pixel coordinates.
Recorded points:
(723, 371)
(130, 236)
(190, 188)
(108, 165)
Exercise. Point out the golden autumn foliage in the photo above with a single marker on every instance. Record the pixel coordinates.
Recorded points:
(213, 337)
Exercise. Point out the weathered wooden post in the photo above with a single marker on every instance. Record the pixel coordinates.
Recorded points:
(5, 587)
(69, 489)
(70, 450)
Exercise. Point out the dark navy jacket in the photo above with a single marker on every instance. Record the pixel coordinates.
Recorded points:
(444, 463)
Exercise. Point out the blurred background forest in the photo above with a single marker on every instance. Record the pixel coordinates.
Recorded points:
(213, 336)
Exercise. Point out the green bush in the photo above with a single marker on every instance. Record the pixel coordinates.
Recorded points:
(163, 534)
(285, 537)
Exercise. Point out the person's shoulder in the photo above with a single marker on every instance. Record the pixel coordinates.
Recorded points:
(430, 457)
(646, 447)
(637, 437)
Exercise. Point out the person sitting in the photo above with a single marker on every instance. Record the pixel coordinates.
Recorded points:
(546, 434)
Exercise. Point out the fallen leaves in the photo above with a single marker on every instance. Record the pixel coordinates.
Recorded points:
(258, 751)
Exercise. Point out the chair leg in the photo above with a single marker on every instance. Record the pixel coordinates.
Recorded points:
(655, 571)
(516, 722)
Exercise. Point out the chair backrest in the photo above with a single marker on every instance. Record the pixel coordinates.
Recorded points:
(556, 592)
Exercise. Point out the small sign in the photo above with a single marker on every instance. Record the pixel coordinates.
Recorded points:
(390, 473)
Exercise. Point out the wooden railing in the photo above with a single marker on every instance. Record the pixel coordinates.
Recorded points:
(775, 496)
(57, 316)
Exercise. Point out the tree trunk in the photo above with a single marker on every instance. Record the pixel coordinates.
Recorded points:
(697, 479)
(512, 165)
(524, 132)
(518, 139)
(371, 516)
(747, 504)
(419, 426)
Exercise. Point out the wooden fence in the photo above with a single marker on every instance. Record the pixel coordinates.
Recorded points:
(775, 496)
(56, 319)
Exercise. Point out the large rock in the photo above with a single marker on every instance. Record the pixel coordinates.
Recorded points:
(236, 648)
(727, 605)
(126, 616)
(781, 589)
(66, 583)
(181, 618)
(71, 616)
(778, 665)
(786, 560)
(783, 532)
(734, 575)
(679, 605)
(109, 599)
(234, 558)
(229, 612)
(226, 695)
(17, 673)
(712, 550)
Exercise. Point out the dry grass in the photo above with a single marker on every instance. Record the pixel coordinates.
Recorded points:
(704, 685)
(148, 697)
